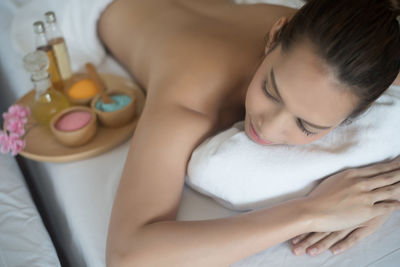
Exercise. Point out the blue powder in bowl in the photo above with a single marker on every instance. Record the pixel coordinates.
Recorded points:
(120, 102)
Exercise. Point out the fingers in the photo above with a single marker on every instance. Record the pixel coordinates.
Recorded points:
(317, 243)
(337, 242)
(352, 239)
(310, 239)
(385, 179)
(385, 207)
(375, 169)
(298, 238)
(385, 193)
(326, 243)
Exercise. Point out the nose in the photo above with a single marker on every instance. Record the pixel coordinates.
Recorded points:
(274, 125)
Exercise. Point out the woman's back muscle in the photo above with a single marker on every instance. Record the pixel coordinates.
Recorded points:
(217, 44)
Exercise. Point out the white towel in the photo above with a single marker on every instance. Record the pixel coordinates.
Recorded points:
(77, 20)
(243, 175)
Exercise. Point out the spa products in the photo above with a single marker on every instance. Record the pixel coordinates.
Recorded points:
(58, 45)
(41, 44)
(83, 89)
(91, 70)
(47, 101)
(116, 114)
(74, 126)
(120, 102)
(73, 121)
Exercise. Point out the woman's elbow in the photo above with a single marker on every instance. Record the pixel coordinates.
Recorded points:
(117, 259)
(131, 259)
(126, 254)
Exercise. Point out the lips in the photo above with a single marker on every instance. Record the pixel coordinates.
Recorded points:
(256, 137)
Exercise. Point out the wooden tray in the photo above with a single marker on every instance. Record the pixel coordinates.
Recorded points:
(42, 146)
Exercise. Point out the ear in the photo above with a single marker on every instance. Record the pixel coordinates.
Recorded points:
(273, 33)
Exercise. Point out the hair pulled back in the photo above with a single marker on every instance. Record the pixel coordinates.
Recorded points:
(359, 39)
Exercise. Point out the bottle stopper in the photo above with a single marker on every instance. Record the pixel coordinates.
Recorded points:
(50, 17)
(38, 27)
(37, 64)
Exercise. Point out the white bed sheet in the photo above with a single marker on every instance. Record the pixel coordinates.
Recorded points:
(24, 240)
(79, 196)
(81, 193)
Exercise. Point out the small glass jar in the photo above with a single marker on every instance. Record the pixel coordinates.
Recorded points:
(47, 101)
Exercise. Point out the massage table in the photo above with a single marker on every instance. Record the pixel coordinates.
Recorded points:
(77, 197)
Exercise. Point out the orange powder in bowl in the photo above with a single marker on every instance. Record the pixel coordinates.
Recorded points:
(83, 89)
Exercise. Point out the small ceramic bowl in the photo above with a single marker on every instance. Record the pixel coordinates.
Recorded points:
(74, 137)
(120, 117)
(80, 89)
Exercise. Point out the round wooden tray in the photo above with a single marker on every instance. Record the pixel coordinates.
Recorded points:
(42, 146)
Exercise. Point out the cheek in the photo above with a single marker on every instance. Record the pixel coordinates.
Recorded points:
(256, 102)
(255, 99)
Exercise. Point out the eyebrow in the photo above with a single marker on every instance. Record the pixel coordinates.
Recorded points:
(275, 87)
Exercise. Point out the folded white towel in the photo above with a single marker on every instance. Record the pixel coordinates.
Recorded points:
(243, 175)
(77, 20)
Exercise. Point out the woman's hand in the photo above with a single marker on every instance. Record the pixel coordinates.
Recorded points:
(355, 196)
(338, 242)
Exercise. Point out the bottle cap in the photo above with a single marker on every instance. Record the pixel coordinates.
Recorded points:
(50, 17)
(37, 64)
(38, 27)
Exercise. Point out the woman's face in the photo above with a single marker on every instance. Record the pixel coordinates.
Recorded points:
(293, 98)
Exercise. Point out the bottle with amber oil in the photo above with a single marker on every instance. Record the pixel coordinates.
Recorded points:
(57, 42)
(47, 101)
(41, 44)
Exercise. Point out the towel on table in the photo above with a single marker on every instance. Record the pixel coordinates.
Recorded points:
(243, 175)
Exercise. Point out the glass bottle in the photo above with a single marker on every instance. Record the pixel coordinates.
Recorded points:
(42, 45)
(47, 101)
(57, 42)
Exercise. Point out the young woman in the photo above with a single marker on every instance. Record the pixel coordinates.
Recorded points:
(205, 65)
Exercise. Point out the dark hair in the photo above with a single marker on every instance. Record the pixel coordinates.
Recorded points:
(359, 39)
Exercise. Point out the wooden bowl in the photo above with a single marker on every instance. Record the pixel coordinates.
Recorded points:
(77, 137)
(120, 117)
(78, 77)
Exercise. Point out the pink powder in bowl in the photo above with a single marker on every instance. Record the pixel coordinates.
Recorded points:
(73, 121)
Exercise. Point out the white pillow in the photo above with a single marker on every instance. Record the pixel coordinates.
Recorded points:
(243, 175)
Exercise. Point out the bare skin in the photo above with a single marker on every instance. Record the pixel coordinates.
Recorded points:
(196, 60)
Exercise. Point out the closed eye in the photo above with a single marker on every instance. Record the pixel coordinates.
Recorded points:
(303, 129)
(265, 90)
(298, 121)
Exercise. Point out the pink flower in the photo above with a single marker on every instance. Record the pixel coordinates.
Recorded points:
(15, 125)
(11, 143)
(16, 144)
(17, 111)
(16, 118)
(14, 121)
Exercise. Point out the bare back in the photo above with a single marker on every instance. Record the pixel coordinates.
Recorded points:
(195, 60)
(214, 43)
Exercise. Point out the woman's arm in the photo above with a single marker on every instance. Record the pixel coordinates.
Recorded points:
(143, 230)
